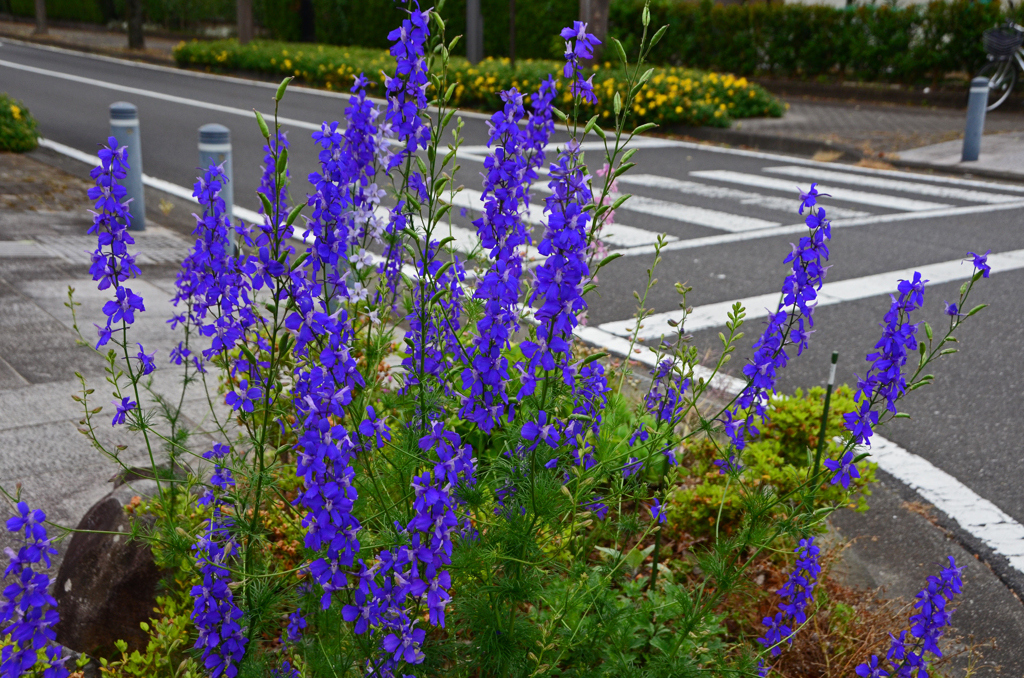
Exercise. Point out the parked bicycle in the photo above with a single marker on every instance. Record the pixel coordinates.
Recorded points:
(1004, 47)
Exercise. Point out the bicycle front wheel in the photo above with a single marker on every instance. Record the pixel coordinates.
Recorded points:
(1002, 76)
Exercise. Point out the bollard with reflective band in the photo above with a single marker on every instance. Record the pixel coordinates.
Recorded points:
(976, 105)
(215, 149)
(124, 126)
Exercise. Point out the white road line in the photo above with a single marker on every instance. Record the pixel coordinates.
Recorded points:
(617, 235)
(875, 199)
(947, 192)
(155, 95)
(768, 202)
(728, 238)
(167, 187)
(715, 315)
(976, 515)
(699, 216)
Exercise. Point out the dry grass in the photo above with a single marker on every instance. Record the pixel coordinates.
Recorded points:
(847, 626)
(827, 156)
(874, 164)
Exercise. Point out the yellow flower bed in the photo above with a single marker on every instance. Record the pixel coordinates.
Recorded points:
(672, 96)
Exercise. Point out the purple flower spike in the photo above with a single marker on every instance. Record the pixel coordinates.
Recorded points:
(796, 594)
(579, 45)
(906, 656)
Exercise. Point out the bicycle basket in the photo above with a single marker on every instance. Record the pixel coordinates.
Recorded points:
(1001, 43)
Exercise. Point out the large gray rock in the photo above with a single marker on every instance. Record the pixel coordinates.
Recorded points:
(107, 584)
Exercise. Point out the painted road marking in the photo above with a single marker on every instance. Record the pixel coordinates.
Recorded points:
(768, 202)
(976, 515)
(887, 184)
(716, 315)
(874, 199)
(617, 235)
(728, 238)
(699, 216)
(154, 95)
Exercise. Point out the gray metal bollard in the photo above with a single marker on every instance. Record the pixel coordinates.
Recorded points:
(124, 126)
(976, 105)
(215, 149)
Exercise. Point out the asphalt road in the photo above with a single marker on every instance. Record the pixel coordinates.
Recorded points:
(726, 212)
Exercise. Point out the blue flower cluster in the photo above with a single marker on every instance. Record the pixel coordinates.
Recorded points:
(884, 380)
(502, 234)
(325, 382)
(29, 612)
(412, 574)
(434, 322)
(906, 655)
(560, 278)
(579, 45)
(216, 616)
(407, 98)
(214, 290)
(111, 262)
(406, 92)
(797, 593)
(345, 195)
(791, 323)
(538, 130)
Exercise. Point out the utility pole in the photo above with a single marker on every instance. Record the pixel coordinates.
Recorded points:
(41, 17)
(243, 9)
(136, 40)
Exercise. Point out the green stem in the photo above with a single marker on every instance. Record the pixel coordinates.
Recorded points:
(824, 424)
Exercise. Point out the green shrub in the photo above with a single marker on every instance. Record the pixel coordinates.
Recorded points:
(780, 457)
(18, 131)
(868, 42)
(677, 96)
(87, 11)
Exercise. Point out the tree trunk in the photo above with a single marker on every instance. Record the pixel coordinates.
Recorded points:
(594, 13)
(512, 32)
(474, 32)
(136, 40)
(307, 21)
(40, 17)
(244, 10)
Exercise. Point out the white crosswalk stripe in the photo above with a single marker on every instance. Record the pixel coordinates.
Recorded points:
(874, 199)
(615, 235)
(931, 190)
(759, 306)
(768, 202)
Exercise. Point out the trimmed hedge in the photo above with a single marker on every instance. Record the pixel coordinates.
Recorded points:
(18, 132)
(874, 43)
(907, 44)
(672, 96)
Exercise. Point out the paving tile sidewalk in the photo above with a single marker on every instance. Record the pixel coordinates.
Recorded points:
(44, 250)
(876, 128)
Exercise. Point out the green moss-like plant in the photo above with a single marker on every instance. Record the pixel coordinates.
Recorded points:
(18, 131)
